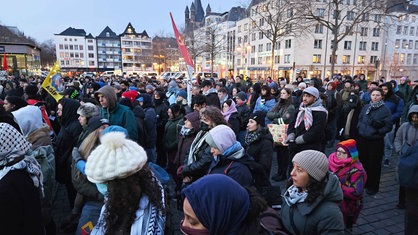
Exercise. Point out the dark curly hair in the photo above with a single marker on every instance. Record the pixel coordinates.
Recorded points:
(123, 199)
(283, 103)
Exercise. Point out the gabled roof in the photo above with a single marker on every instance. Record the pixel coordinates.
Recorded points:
(129, 30)
(144, 34)
(236, 13)
(90, 36)
(105, 31)
(73, 32)
(7, 36)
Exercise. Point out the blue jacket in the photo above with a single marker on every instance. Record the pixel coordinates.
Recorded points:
(265, 107)
(375, 124)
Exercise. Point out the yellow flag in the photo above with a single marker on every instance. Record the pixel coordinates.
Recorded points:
(52, 82)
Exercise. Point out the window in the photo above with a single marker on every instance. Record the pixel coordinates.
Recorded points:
(363, 31)
(268, 46)
(404, 44)
(375, 46)
(287, 58)
(415, 60)
(398, 29)
(61, 46)
(75, 47)
(90, 48)
(65, 39)
(260, 35)
(90, 41)
(336, 15)
(405, 30)
(412, 31)
(416, 44)
(277, 45)
(61, 54)
(376, 32)
(373, 59)
(71, 39)
(71, 55)
(365, 17)
(397, 43)
(319, 28)
(408, 58)
(377, 18)
(360, 59)
(289, 12)
(62, 63)
(318, 44)
(362, 46)
(66, 55)
(331, 60)
(66, 46)
(346, 59)
(350, 15)
(76, 55)
(71, 47)
(261, 22)
(253, 37)
(316, 59)
(91, 55)
(277, 59)
(287, 43)
(348, 30)
(320, 12)
(402, 58)
(260, 60)
(81, 55)
(91, 63)
(260, 48)
(81, 47)
(410, 44)
(347, 45)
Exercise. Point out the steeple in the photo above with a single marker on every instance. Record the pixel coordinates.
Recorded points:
(208, 10)
(200, 14)
(187, 13)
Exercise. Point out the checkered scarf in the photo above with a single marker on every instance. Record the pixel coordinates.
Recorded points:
(14, 155)
(305, 113)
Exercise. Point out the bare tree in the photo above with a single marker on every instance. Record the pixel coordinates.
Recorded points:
(344, 17)
(48, 55)
(277, 19)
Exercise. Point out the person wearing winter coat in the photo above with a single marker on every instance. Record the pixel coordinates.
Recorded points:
(85, 112)
(134, 201)
(405, 89)
(286, 110)
(171, 133)
(310, 200)
(244, 113)
(210, 93)
(150, 126)
(116, 113)
(407, 135)
(348, 118)
(375, 120)
(230, 113)
(259, 141)
(20, 185)
(227, 154)
(344, 163)
(265, 102)
(307, 128)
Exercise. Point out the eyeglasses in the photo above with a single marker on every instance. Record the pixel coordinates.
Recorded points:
(341, 152)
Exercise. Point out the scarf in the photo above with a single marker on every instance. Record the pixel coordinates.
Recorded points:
(305, 113)
(232, 109)
(336, 164)
(374, 106)
(14, 155)
(293, 196)
(185, 131)
(250, 137)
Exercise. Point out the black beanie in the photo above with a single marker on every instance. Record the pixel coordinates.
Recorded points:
(259, 117)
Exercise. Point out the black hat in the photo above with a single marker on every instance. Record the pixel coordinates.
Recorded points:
(96, 122)
(206, 83)
(241, 95)
(259, 117)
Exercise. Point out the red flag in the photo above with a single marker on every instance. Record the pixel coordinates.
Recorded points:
(5, 67)
(180, 42)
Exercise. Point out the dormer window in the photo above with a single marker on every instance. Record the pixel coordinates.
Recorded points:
(107, 34)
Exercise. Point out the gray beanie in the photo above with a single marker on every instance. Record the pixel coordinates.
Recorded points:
(88, 110)
(313, 162)
(312, 91)
(221, 137)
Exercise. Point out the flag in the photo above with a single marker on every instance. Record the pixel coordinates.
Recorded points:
(5, 67)
(180, 42)
(51, 82)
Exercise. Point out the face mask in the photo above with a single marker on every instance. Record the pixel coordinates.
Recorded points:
(102, 188)
(204, 126)
(192, 231)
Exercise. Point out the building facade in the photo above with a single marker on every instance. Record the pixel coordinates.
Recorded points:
(136, 49)
(109, 53)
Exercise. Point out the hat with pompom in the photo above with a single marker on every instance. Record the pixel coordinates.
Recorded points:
(115, 158)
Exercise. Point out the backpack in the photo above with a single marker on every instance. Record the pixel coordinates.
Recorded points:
(271, 223)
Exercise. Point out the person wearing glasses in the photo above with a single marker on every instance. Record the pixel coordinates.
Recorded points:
(344, 163)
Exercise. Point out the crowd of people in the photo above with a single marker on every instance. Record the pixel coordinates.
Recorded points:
(115, 142)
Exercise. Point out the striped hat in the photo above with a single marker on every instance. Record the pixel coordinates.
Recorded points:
(350, 147)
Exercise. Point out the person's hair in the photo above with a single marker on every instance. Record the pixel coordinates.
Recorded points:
(17, 101)
(286, 103)
(214, 115)
(228, 102)
(314, 188)
(198, 100)
(379, 89)
(91, 141)
(123, 199)
(257, 205)
(176, 109)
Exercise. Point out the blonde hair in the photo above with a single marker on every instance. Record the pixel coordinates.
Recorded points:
(89, 143)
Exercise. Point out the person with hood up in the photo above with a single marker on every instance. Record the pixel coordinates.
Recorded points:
(170, 136)
(344, 163)
(20, 185)
(161, 108)
(265, 102)
(230, 113)
(172, 92)
(310, 200)
(227, 153)
(307, 128)
(116, 113)
(405, 89)
(150, 126)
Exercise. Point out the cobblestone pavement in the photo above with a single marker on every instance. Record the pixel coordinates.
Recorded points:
(379, 215)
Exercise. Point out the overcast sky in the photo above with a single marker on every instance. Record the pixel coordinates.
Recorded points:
(41, 19)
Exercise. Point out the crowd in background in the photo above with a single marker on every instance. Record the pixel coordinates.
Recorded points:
(115, 142)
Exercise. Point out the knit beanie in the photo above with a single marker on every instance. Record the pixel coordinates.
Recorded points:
(96, 122)
(259, 117)
(242, 96)
(312, 91)
(115, 128)
(221, 137)
(88, 110)
(115, 158)
(350, 148)
(313, 162)
(183, 94)
(131, 95)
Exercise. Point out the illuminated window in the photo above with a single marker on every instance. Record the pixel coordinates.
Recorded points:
(316, 59)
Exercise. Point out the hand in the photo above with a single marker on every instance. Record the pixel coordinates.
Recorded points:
(300, 140)
(180, 171)
(187, 179)
(290, 138)
(377, 124)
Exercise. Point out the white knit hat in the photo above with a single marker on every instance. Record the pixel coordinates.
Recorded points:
(313, 162)
(116, 157)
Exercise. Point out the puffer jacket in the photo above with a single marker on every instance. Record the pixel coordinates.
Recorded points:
(323, 216)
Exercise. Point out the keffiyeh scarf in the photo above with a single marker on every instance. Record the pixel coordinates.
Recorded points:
(374, 106)
(293, 196)
(13, 155)
(305, 113)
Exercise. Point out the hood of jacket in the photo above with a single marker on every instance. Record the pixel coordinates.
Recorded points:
(332, 193)
(109, 93)
(413, 109)
(147, 101)
(69, 111)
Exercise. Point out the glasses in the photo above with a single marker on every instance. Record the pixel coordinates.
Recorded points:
(341, 152)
